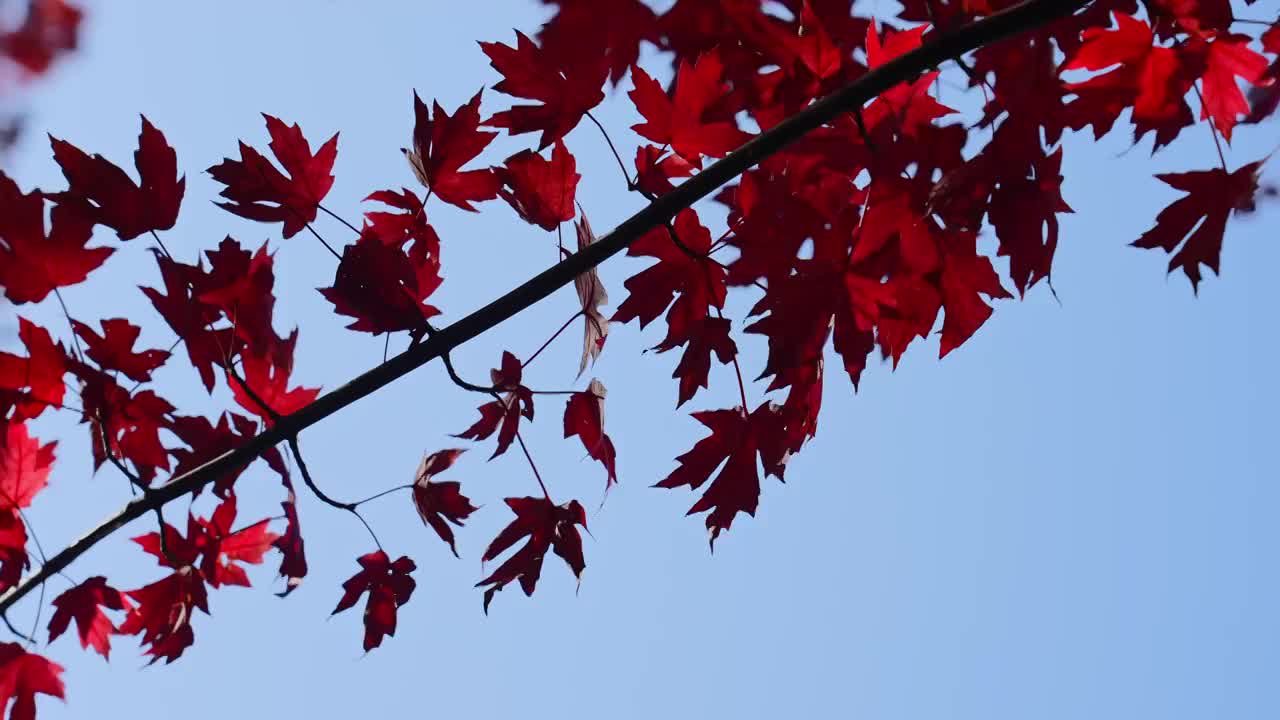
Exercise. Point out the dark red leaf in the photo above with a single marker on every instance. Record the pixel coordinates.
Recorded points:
(584, 417)
(565, 93)
(105, 194)
(389, 586)
(258, 191)
(440, 501)
(503, 415)
(547, 527)
(30, 384)
(113, 350)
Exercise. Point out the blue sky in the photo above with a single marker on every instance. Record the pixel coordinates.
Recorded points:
(1071, 516)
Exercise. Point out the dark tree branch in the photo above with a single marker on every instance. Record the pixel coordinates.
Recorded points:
(948, 45)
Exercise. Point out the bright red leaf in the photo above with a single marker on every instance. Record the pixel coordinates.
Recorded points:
(267, 378)
(24, 675)
(442, 145)
(686, 120)
(541, 191)
(33, 264)
(30, 384)
(503, 415)
(84, 603)
(24, 465)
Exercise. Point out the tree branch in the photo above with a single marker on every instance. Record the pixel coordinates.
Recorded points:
(946, 45)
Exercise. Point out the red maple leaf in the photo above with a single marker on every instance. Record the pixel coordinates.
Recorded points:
(124, 423)
(695, 364)
(440, 501)
(541, 191)
(442, 145)
(1200, 218)
(1228, 57)
(163, 613)
(655, 169)
(258, 191)
(239, 284)
(84, 603)
(24, 465)
(13, 548)
(191, 319)
(224, 546)
(389, 586)
(293, 560)
(385, 287)
(206, 441)
(584, 417)
(24, 675)
(30, 384)
(113, 349)
(566, 93)
(506, 411)
(106, 194)
(33, 264)
(548, 527)
(681, 274)
(965, 275)
(687, 121)
(267, 377)
(584, 33)
(736, 439)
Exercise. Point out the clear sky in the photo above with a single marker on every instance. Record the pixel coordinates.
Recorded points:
(1073, 516)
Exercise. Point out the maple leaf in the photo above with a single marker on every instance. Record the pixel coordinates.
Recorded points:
(24, 465)
(207, 441)
(1229, 56)
(566, 93)
(293, 561)
(113, 349)
(267, 378)
(389, 586)
(505, 411)
(123, 423)
(655, 169)
(584, 417)
(258, 191)
(384, 287)
(685, 121)
(440, 501)
(24, 675)
(1200, 218)
(33, 264)
(681, 274)
(84, 603)
(591, 295)
(30, 384)
(163, 613)
(191, 319)
(548, 527)
(583, 34)
(1019, 208)
(965, 274)
(223, 546)
(541, 191)
(442, 145)
(239, 285)
(736, 439)
(106, 194)
(695, 364)
(13, 548)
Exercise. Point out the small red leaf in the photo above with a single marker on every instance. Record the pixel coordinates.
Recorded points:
(440, 501)
(442, 145)
(547, 527)
(84, 604)
(584, 417)
(389, 586)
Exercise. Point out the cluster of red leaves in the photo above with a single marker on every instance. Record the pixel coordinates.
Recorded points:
(862, 237)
